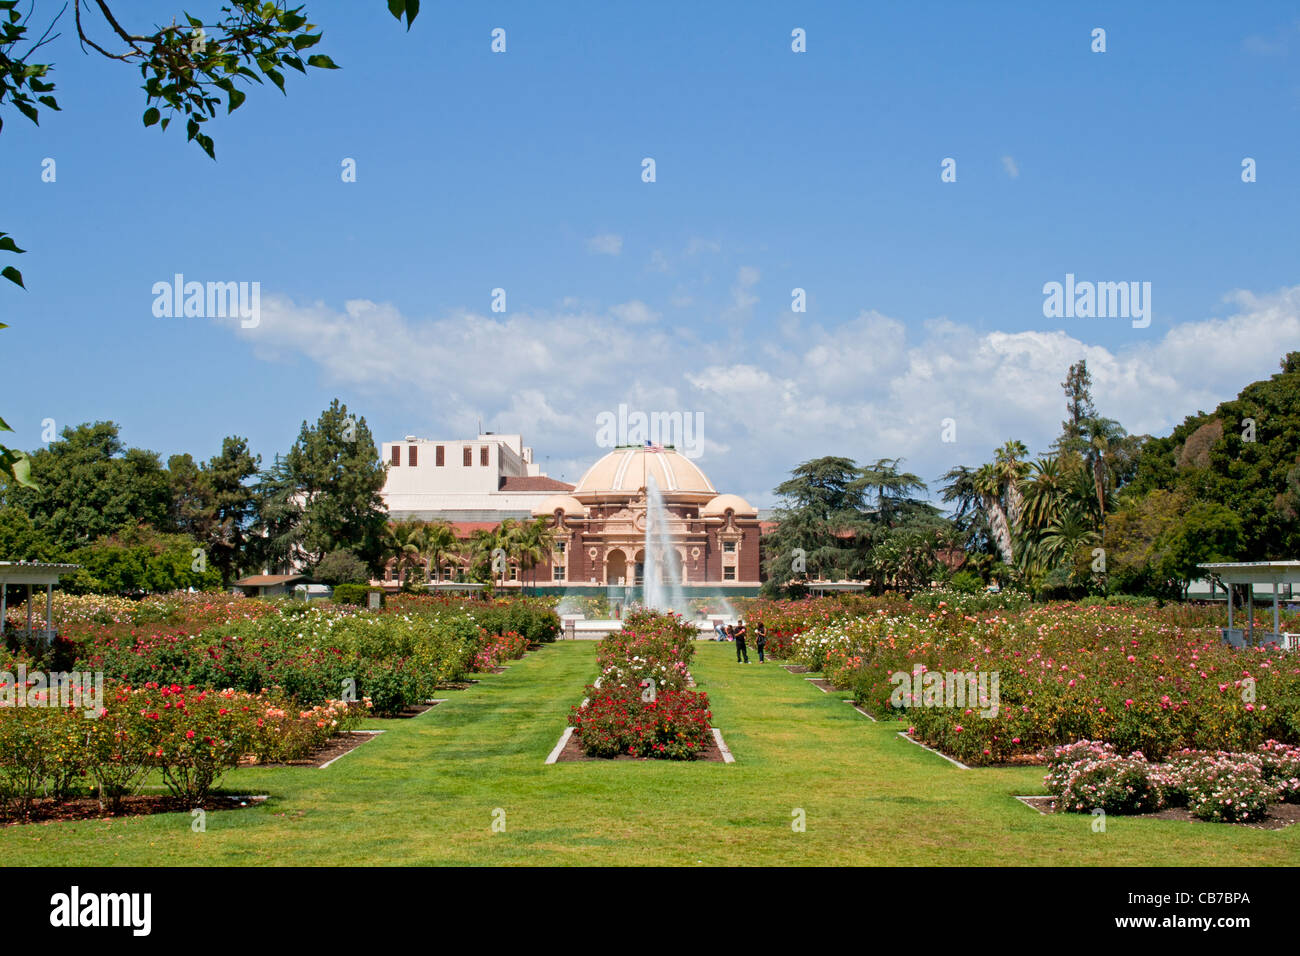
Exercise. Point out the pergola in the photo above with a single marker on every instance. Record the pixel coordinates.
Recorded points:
(32, 574)
(1252, 573)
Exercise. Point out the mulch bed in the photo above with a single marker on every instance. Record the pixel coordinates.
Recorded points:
(797, 669)
(1280, 815)
(458, 684)
(412, 710)
(822, 684)
(573, 751)
(139, 805)
(333, 748)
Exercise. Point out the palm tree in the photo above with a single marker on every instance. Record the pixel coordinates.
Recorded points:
(1046, 493)
(536, 541)
(1012, 468)
(987, 483)
(404, 540)
(439, 542)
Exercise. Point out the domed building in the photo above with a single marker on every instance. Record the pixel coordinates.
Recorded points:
(600, 526)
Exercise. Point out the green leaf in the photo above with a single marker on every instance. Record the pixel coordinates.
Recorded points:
(237, 98)
(4, 426)
(22, 471)
(8, 245)
(13, 275)
(321, 61)
(151, 116)
(409, 7)
(305, 40)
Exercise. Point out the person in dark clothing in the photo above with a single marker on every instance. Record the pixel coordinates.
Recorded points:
(739, 634)
(760, 639)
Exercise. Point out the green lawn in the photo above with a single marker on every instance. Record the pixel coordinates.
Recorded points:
(425, 791)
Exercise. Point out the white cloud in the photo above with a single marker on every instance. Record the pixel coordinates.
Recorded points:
(868, 387)
(606, 244)
(634, 312)
(1009, 164)
(743, 298)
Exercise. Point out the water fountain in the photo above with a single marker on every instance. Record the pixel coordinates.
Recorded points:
(661, 588)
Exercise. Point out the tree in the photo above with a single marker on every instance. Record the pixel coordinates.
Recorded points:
(140, 560)
(1078, 408)
(227, 476)
(892, 492)
(190, 510)
(439, 542)
(536, 542)
(88, 484)
(278, 522)
(187, 70)
(336, 474)
(1242, 455)
(21, 540)
(341, 567)
(404, 542)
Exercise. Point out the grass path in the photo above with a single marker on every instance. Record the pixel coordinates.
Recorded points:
(425, 792)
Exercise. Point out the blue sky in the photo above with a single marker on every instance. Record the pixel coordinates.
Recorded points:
(775, 170)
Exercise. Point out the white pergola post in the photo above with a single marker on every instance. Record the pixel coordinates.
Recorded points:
(1231, 594)
(1275, 617)
(4, 606)
(49, 612)
(29, 611)
(1250, 610)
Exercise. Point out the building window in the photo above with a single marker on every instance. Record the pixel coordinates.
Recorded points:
(483, 456)
(560, 546)
(468, 458)
(396, 455)
(729, 547)
(557, 573)
(728, 574)
(438, 457)
(514, 574)
(410, 456)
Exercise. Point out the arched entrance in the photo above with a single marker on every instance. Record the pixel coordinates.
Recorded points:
(616, 567)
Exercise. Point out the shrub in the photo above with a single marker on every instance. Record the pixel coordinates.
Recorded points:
(1091, 776)
(617, 720)
(341, 567)
(355, 594)
(1281, 767)
(1225, 787)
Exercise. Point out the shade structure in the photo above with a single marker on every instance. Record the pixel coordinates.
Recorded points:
(1252, 573)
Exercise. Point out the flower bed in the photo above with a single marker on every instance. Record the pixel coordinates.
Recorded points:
(1216, 786)
(190, 737)
(640, 705)
(1132, 677)
(314, 653)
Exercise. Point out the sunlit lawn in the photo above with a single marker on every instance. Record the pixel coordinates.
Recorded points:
(425, 792)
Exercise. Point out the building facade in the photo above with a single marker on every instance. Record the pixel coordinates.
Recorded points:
(599, 526)
(464, 481)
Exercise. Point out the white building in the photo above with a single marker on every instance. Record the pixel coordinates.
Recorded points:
(488, 479)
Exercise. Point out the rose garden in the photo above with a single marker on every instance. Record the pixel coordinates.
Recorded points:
(419, 732)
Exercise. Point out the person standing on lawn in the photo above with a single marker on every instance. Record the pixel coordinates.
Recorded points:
(739, 634)
(760, 639)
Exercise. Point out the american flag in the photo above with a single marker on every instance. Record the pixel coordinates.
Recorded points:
(649, 446)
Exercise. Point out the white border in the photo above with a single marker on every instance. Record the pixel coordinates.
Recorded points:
(955, 763)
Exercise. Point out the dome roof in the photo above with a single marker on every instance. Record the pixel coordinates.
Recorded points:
(720, 504)
(566, 503)
(626, 470)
